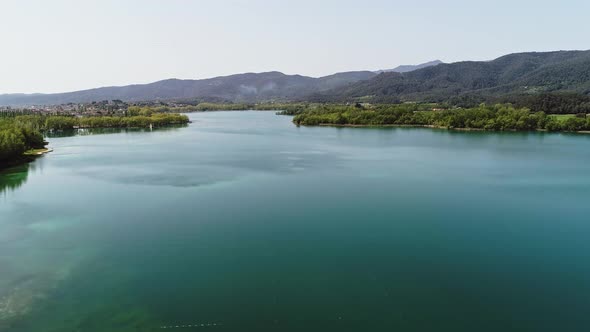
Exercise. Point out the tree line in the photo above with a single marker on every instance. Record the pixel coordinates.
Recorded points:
(550, 103)
(16, 137)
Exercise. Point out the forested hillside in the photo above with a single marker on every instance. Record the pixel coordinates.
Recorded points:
(514, 74)
(460, 83)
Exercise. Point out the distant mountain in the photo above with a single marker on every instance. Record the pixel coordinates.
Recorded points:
(409, 68)
(521, 73)
(248, 87)
(514, 74)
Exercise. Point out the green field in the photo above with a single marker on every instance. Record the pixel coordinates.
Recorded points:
(562, 117)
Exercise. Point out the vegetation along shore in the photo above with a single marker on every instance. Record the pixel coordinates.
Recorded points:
(499, 117)
(21, 136)
(22, 130)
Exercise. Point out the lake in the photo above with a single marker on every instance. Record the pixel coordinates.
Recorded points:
(242, 221)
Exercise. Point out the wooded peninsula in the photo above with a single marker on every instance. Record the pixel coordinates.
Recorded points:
(499, 117)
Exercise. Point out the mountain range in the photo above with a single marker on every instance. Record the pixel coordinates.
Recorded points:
(247, 87)
(519, 73)
(513, 74)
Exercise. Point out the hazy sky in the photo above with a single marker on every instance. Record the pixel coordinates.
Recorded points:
(60, 45)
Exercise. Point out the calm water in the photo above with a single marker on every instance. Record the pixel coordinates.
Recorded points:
(247, 222)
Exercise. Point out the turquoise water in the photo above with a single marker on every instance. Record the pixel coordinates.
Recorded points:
(246, 222)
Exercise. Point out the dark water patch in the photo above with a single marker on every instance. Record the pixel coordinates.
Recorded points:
(14, 177)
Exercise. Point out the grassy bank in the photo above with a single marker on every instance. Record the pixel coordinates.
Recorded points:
(37, 152)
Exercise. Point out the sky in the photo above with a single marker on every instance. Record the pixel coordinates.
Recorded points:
(67, 45)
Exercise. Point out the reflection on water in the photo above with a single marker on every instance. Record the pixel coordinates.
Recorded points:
(13, 178)
(103, 131)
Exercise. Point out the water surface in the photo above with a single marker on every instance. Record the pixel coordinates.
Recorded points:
(245, 222)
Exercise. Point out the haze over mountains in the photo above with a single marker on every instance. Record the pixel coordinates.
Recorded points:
(247, 87)
(409, 68)
(520, 73)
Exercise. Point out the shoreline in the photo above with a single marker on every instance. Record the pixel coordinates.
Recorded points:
(438, 127)
(27, 157)
(32, 154)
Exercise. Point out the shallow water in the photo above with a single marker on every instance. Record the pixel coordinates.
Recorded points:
(246, 222)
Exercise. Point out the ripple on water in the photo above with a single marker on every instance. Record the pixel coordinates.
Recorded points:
(50, 225)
